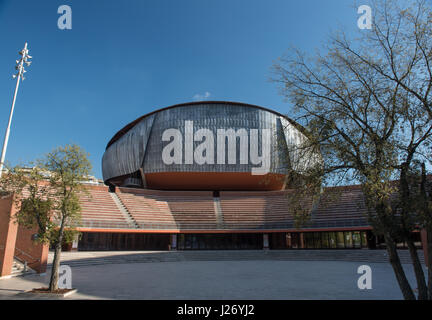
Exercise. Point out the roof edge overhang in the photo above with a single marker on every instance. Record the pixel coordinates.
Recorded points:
(195, 231)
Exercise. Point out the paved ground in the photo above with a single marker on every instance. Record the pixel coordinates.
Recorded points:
(221, 280)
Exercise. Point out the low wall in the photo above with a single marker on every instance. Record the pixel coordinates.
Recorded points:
(34, 253)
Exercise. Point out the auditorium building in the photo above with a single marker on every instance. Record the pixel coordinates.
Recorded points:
(207, 175)
(213, 175)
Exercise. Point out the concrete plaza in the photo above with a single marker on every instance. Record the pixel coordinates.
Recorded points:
(248, 279)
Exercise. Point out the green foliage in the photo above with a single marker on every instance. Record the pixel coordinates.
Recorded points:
(35, 211)
(47, 194)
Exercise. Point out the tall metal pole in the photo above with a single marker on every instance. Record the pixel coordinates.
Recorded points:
(19, 75)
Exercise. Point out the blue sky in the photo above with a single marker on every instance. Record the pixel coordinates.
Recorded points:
(123, 59)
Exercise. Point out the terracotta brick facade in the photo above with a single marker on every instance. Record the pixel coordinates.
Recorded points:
(16, 241)
(34, 253)
(8, 234)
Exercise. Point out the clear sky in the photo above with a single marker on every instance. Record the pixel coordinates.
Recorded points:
(123, 59)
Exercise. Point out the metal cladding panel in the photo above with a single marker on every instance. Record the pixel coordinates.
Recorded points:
(212, 117)
(142, 146)
(126, 155)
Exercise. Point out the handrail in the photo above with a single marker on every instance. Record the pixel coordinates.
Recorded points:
(28, 255)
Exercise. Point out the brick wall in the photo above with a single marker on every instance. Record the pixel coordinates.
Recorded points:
(8, 233)
(16, 241)
(34, 253)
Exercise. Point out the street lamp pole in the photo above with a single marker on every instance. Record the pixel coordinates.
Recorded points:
(20, 75)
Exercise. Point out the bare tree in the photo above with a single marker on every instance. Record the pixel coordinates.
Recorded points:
(365, 102)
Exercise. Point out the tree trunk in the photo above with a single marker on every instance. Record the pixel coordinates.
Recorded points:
(406, 199)
(56, 262)
(404, 285)
(418, 270)
(429, 264)
(425, 201)
(55, 268)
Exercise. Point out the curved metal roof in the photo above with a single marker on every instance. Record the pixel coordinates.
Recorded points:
(130, 125)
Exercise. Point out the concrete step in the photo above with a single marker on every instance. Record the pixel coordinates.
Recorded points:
(372, 256)
(123, 209)
(19, 268)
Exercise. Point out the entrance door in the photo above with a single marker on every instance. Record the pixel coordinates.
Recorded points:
(217, 241)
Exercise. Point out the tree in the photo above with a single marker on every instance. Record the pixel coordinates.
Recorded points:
(68, 167)
(47, 196)
(366, 105)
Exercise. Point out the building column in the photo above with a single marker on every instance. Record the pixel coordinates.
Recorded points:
(173, 244)
(302, 244)
(265, 241)
(75, 243)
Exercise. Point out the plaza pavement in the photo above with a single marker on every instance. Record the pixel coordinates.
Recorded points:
(248, 279)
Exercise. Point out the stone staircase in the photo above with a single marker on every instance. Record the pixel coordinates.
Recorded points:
(77, 259)
(218, 212)
(20, 269)
(126, 214)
